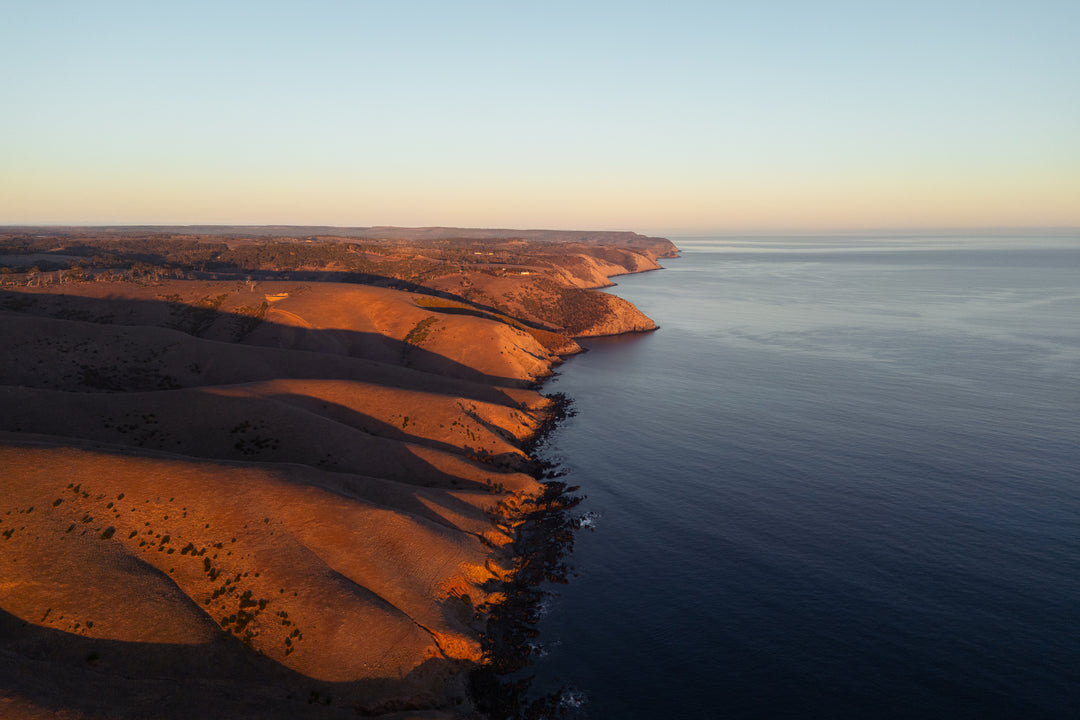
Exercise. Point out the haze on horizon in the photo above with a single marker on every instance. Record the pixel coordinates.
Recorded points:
(663, 117)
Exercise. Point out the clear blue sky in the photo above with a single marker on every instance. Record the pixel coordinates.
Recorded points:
(661, 116)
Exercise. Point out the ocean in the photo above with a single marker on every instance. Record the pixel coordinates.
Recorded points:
(841, 480)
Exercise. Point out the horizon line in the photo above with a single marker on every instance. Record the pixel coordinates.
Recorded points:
(662, 232)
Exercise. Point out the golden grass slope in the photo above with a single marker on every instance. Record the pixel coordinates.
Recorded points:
(201, 515)
(330, 584)
(358, 321)
(155, 556)
(388, 325)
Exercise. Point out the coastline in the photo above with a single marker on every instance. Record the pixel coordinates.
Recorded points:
(545, 538)
(544, 541)
(816, 356)
(430, 410)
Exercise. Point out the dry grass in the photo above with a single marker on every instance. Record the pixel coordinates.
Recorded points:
(288, 487)
(214, 505)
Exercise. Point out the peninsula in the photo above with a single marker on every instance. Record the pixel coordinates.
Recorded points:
(275, 471)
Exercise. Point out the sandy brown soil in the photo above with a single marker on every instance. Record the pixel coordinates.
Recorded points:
(259, 499)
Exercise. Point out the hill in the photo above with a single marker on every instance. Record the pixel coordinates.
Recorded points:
(280, 491)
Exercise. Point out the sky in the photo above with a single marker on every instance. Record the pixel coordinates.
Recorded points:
(667, 116)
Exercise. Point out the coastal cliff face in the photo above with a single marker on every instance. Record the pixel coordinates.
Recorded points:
(270, 497)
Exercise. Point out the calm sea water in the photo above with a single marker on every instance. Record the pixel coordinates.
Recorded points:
(842, 480)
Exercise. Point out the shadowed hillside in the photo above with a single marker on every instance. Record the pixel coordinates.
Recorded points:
(260, 496)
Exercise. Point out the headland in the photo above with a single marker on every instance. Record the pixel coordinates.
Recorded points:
(277, 472)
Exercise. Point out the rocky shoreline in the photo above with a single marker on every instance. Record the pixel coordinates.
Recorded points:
(290, 495)
(544, 540)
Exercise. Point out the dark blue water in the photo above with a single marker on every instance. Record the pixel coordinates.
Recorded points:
(843, 480)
